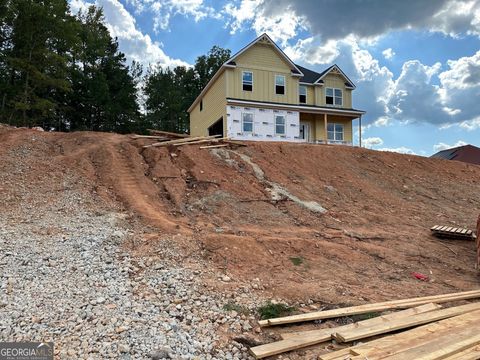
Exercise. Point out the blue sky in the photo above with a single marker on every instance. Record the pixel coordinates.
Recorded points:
(416, 64)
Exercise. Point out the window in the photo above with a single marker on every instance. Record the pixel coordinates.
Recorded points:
(279, 125)
(302, 94)
(279, 84)
(247, 81)
(335, 132)
(333, 97)
(247, 122)
(201, 105)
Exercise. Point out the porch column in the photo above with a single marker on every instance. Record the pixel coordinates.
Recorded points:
(360, 131)
(325, 137)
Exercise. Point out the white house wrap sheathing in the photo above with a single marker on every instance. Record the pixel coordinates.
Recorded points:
(263, 124)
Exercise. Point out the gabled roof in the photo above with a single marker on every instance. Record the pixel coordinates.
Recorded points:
(231, 63)
(349, 83)
(313, 77)
(466, 153)
(265, 38)
(309, 76)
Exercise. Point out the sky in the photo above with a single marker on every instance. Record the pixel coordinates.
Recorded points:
(416, 64)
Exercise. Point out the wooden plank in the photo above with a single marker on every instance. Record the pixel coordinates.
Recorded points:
(442, 347)
(308, 338)
(449, 229)
(398, 324)
(434, 227)
(472, 353)
(199, 141)
(177, 141)
(157, 137)
(393, 344)
(233, 142)
(366, 308)
(214, 146)
(464, 231)
(376, 320)
(454, 230)
(168, 133)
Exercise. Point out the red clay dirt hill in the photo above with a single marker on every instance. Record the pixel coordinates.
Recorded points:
(373, 234)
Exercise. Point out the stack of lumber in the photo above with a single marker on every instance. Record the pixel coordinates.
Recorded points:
(428, 331)
(452, 232)
(164, 138)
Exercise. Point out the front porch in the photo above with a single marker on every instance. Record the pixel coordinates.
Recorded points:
(326, 128)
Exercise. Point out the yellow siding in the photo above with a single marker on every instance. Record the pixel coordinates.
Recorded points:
(334, 81)
(214, 108)
(310, 95)
(317, 125)
(264, 62)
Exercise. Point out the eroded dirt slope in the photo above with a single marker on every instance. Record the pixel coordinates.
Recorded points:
(373, 235)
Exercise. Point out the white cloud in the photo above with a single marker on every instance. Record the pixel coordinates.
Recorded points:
(372, 19)
(164, 10)
(241, 14)
(133, 43)
(308, 50)
(470, 125)
(442, 146)
(388, 53)
(372, 142)
(401, 150)
(281, 26)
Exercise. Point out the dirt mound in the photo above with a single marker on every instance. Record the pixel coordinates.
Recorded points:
(307, 221)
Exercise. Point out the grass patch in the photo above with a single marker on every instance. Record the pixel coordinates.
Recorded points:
(231, 306)
(297, 260)
(270, 311)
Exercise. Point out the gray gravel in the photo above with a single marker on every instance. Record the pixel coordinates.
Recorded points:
(65, 277)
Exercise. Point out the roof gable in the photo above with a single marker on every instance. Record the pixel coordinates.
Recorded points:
(264, 39)
(335, 69)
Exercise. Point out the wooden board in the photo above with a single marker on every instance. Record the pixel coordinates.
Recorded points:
(451, 232)
(376, 320)
(440, 347)
(199, 141)
(366, 308)
(398, 324)
(171, 134)
(472, 353)
(214, 146)
(394, 344)
(177, 141)
(308, 338)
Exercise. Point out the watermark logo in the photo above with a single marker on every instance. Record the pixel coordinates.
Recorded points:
(26, 351)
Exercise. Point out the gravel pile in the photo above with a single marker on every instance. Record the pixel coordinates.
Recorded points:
(65, 277)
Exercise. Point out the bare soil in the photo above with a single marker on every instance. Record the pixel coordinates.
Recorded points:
(373, 235)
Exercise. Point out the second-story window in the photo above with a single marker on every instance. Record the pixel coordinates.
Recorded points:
(302, 94)
(333, 97)
(280, 84)
(247, 81)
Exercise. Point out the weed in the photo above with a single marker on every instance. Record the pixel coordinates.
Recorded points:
(270, 310)
(297, 261)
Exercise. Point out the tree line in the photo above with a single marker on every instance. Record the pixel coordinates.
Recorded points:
(65, 72)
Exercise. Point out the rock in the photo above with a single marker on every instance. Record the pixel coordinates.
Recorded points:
(226, 278)
(100, 300)
(123, 348)
(160, 353)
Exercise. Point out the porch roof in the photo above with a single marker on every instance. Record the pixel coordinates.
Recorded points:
(313, 109)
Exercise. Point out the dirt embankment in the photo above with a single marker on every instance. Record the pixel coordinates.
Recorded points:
(329, 223)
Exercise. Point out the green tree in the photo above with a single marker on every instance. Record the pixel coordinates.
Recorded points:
(169, 93)
(36, 55)
(104, 96)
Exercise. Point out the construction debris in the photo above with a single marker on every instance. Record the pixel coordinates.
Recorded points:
(368, 308)
(451, 333)
(213, 146)
(168, 134)
(451, 232)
